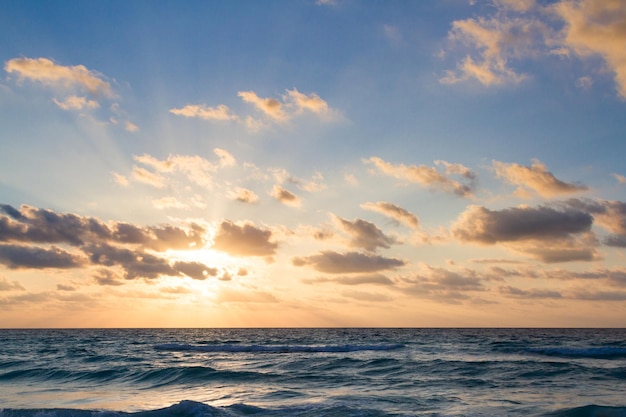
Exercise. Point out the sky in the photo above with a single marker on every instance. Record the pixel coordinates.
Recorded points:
(330, 163)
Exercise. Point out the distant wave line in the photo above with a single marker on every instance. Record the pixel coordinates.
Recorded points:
(276, 348)
(590, 352)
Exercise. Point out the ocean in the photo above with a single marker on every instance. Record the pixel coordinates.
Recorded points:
(312, 372)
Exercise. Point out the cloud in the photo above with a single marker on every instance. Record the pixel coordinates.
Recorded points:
(6, 285)
(586, 29)
(147, 177)
(492, 42)
(311, 102)
(366, 279)
(269, 106)
(196, 169)
(245, 196)
(364, 235)
(392, 211)
(620, 178)
(429, 176)
(517, 5)
(529, 294)
(536, 178)
(596, 28)
(226, 158)
(49, 73)
(79, 88)
(244, 240)
(611, 215)
(549, 234)
(108, 277)
(195, 270)
(442, 284)
(61, 287)
(481, 225)
(168, 202)
(350, 262)
(27, 257)
(290, 105)
(94, 243)
(201, 111)
(76, 103)
(33, 225)
(286, 197)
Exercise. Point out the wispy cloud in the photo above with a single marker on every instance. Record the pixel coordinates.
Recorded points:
(429, 176)
(519, 30)
(220, 112)
(77, 88)
(350, 262)
(282, 109)
(394, 212)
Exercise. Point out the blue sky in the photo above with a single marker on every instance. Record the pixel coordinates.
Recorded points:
(303, 163)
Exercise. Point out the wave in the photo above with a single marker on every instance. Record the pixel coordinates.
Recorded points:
(590, 411)
(189, 408)
(589, 352)
(276, 348)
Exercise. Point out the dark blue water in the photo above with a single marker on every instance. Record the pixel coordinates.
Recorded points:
(313, 372)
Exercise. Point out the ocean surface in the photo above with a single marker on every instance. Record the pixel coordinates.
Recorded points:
(313, 372)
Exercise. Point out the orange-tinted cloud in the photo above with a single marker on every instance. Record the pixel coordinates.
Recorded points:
(395, 212)
(428, 176)
(536, 178)
(49, 73)
(201, 111)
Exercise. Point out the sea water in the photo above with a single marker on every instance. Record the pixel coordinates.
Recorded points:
(313, 372)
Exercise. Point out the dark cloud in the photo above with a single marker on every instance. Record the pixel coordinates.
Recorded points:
(195, 270)
(33, 225)
(246, 240)
(109, 245)
(364, 235)
(481, 225)
(24, 257)
(611, 215)
(350, 262)
(135, 264)
(107, 277)
(562, 252)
